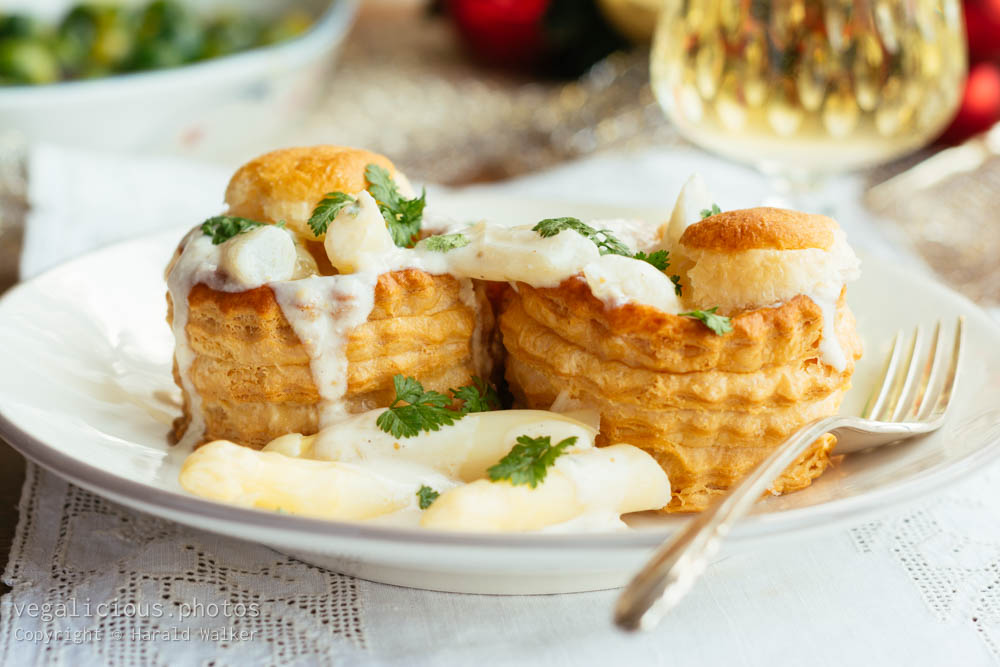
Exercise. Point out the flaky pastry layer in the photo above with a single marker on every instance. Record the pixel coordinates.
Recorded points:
(253, 374)
(644, 337)
(706, 425)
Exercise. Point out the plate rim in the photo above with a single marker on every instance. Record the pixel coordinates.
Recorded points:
(772, 525)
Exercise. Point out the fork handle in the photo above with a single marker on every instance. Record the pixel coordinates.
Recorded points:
(678, 562)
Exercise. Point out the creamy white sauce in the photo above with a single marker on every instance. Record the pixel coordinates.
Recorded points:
(198, 263)
(618, 280)
(463, 450)
(831, 351)
(519, 254)
(323, 310)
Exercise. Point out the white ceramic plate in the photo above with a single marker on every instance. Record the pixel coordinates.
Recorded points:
(86, 391)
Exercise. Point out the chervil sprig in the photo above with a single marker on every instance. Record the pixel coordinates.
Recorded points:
(444, 242)
(659, 258)
(328, 209)
(430, 410)
(720, 324)
(425, 496)
(709, 212)
(424, 410)
(529, 460)
(477, 397)
(606, 242)
(403, 216)
(224, 227)
(676, 280)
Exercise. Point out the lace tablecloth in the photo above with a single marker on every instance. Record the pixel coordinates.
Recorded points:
(95, 583)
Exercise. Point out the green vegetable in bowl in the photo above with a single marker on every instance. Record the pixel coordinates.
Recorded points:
(169, 34)
(231, 33)
(99, 38)
(20, 25)
(24, 60)
(94, 40)
(287, 27)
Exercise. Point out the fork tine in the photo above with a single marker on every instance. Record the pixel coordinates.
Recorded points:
(896, 386)
(949, 380)
(912, 367)
(881, 392)
(929, 376)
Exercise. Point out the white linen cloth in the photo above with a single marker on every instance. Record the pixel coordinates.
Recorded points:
(921, 586)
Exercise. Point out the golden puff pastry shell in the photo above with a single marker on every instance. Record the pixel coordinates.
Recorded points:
(249, 362)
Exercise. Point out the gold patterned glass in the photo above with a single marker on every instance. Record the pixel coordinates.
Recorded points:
(803, 88)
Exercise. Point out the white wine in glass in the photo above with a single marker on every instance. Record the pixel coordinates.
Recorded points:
(804, 88)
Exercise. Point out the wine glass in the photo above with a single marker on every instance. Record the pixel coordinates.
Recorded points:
(801, 89)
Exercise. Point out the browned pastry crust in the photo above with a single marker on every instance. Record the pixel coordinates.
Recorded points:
(761, 228)
(707, 407)
(641, 336)
(270, 187)
(253, 374)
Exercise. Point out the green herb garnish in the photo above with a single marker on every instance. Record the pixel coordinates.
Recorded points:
(605, 241)
(608, 243)
(529, 460)
(660, 259)
(328, 209)
(426, 496)
(720, 324)
(425, 410)
(430, 410)
(444, 242)
(477, 397)
(224, 227)
(676, 280)
(402, 216)
(709, 212)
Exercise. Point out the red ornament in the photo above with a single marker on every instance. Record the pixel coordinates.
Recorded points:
(502, 32)
(982, 26)
(980, 107)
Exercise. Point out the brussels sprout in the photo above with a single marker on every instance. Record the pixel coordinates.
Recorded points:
(169, 34)
(76, 35)
(25, 60)
(20, 25)
(93, 38)
(229, 34)
(288, 26)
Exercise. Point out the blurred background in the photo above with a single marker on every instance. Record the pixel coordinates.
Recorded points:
(899, 94)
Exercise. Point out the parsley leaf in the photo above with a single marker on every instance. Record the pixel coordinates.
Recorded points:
(444, 242)
(676, 280)
(426, 410)
(720, 324)
(709, 212)
(402, 216)
(606, 242)
(426, 496)
(659, 259)
(328, 208)
(529, 460)
(224, 227)
(477, 397)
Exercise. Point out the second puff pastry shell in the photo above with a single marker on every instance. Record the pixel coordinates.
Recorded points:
(709, 408)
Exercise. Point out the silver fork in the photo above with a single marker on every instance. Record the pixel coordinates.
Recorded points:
(911, 399)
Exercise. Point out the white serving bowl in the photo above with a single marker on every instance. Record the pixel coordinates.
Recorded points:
(231, 105)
